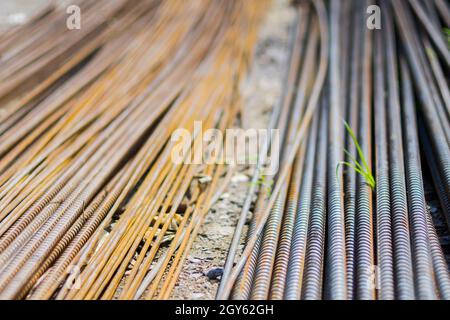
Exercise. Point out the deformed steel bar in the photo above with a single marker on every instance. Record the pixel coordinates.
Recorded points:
(383, 219)
(417, 206)
(335, 269)
(399, 205)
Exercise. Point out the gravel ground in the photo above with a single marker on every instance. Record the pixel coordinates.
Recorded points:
(260, 92)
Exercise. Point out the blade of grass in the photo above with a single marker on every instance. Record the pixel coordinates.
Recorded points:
(348, 164)
(364, 170)
(447, 33)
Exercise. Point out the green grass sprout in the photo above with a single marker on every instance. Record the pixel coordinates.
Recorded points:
(447, 33)
(363, 169)
(266, 183)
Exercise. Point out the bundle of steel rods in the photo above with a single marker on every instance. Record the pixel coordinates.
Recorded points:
(92, 203)
(106, 176)
(348, 215)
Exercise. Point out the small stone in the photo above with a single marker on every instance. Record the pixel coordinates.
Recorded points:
(240, 177)
(249, 217)
(197, 296)
(205, 179)
(194, 260)
(225, 195)
(215, 273)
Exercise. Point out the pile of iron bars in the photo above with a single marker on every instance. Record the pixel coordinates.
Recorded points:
(348, 217)
(87, 183)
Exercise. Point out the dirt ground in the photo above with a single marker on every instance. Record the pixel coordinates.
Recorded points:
(260, 92)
